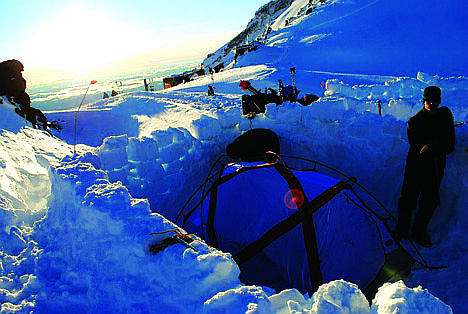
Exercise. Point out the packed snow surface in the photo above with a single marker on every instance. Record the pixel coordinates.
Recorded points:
(77, 228)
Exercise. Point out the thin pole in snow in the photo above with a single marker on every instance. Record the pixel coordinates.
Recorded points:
(76, 116)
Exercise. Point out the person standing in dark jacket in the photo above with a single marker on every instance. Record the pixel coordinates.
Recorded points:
(431, 136)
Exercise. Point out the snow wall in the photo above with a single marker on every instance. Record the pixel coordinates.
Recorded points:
(167, 162)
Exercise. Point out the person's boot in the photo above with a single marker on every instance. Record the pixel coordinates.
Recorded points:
(422, 239)
(399, 234)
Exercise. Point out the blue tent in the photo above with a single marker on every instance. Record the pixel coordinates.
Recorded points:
(295, 229)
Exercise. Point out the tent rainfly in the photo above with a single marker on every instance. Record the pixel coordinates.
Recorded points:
(295, 229)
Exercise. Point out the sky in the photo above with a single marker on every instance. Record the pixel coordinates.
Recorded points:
(73, 38)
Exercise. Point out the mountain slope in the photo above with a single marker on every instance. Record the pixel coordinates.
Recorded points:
(362, 36)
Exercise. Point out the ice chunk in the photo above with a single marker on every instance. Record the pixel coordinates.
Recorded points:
(397, 298)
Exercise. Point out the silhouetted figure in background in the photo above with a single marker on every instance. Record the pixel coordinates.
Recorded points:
(13, 86)
(253, 145)
(12, 83)
(211, 91)
(431, 137)
(379, 107)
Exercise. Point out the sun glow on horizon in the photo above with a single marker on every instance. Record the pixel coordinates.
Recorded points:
(79, 41)
(82, 43)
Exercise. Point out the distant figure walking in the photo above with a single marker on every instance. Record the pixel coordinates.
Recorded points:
(379, 107)
(253, 145)
(431, 136)
(211, 91)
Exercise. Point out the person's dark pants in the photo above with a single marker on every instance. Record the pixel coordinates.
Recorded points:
(421, 181)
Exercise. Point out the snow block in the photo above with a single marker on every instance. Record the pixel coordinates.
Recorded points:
(162, 137)
(142, 149)
(175, 180)
(149, 170)
(173, 167)
(205, 128)
(325, 111)
(177, 134)
(228, 119)
(113, 142)
(113, 159)
(138, 186)
(118, 175)
(244, 124)
(91, 158)
(286, 300)
(113, 152)
(172, 152)
(334, 86)
(167, 137)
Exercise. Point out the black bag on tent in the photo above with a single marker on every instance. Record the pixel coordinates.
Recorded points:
(255, 145)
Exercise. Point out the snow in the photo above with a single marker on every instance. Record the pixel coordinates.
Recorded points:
(75, 229)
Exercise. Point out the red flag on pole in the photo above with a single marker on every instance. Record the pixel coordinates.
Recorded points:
(244, 85)
(76, 115)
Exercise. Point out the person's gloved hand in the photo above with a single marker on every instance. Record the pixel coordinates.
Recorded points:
(424, 149)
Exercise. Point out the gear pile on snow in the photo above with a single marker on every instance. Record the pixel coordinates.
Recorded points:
(256, 103)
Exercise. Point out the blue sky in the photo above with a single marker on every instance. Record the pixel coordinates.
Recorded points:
(81, 37)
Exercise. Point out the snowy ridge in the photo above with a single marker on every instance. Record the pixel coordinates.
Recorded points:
(363, 36)
(24, 191)
(255, 31)
(88, 214)
(399, 92)
(92, 223)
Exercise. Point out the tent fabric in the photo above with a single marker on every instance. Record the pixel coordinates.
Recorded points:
(296, 245)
